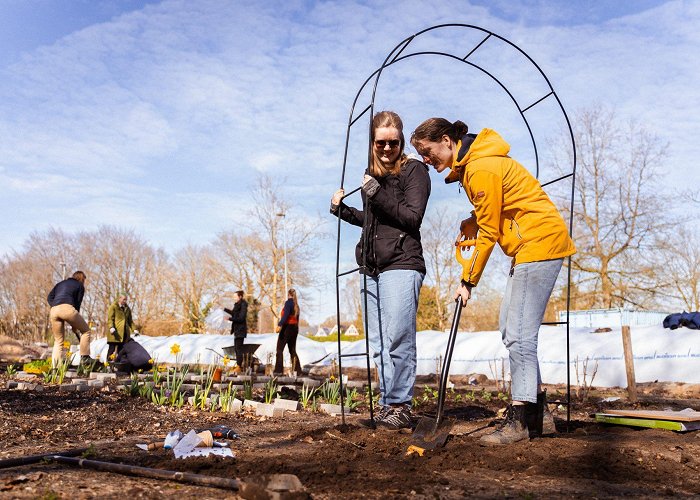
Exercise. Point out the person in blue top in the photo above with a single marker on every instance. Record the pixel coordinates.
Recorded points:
(288, 330)
(65, 299)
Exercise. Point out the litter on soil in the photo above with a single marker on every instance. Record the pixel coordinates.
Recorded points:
(593, 460)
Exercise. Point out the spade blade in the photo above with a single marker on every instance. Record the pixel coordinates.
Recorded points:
(429, 434)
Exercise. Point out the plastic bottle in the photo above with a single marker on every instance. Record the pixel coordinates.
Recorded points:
(172, 439)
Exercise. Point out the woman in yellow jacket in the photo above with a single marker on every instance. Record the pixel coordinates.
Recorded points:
(511, 209)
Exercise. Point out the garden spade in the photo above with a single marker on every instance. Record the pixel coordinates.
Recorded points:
(432, 433)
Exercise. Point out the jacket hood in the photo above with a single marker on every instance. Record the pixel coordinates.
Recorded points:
(472, 147)
(487, 143)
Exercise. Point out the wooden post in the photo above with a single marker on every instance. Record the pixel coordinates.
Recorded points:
(629, 364)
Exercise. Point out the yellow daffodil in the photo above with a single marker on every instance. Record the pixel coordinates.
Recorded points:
(113, 356)
(152, 361)
(66, 344)
(174, 349)
(226, 360)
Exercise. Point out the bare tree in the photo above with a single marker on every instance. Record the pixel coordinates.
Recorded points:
(619, 212)
(263, 249)
(439, 230)
(679, 263)
(121, 262)
(195, 286)
(28, 276)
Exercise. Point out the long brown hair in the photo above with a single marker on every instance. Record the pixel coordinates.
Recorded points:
(293, 295)
(380, 120)
(433, 129)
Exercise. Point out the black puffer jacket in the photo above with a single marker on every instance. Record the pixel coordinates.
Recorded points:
(394, 216)
(239, 319)
(69, 291)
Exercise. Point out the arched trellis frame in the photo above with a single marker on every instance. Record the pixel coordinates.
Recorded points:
(400, 53)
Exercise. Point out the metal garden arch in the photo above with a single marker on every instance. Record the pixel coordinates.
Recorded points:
(399, 53)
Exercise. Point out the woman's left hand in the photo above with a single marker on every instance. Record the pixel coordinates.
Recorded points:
(370, 185)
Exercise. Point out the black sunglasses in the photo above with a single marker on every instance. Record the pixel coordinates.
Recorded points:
(393, 143)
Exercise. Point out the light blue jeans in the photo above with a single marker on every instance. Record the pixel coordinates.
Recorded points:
(527, 292)
(392, 301)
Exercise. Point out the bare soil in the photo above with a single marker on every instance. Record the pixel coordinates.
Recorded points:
(591, 460)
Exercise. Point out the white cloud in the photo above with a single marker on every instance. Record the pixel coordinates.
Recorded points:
(161, 118)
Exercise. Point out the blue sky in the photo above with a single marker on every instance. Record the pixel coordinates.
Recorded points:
(158, 116)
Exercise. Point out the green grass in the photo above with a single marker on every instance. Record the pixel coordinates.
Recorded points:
(334, 338)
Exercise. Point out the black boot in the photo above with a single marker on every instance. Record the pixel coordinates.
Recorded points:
(513, 429)
(546, 419)
(540, 421)
(86, 360)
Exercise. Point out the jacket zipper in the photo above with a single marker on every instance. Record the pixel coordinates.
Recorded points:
(517, 229)
(471, 268)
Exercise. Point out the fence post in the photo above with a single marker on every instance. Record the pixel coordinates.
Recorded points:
(629, 364)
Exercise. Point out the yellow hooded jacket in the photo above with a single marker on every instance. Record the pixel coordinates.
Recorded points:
(510, 207)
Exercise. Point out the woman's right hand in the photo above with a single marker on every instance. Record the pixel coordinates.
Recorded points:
(337, 196)
(466, 293)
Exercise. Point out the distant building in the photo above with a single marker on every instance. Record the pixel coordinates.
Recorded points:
(322, 332)
(350, 331)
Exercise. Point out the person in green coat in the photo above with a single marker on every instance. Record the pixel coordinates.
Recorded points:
(120, 324)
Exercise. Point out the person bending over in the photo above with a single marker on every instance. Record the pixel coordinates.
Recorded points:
(65, 299)
(511, 209)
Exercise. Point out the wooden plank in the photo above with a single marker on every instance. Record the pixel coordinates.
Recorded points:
(678, 416)
(629, 364)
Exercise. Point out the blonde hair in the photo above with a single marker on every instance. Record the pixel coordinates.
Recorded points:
(377, 167)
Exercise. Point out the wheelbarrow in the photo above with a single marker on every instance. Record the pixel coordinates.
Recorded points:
(248, 353)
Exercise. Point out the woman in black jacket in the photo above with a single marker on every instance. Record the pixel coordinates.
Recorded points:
(395, 192)
(288, 331)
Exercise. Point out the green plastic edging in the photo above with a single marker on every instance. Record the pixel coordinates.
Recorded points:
(640, 422)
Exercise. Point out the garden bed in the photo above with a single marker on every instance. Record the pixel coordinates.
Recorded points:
(332, 461)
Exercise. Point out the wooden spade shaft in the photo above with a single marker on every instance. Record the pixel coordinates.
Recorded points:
(134, 470)
(33, 459)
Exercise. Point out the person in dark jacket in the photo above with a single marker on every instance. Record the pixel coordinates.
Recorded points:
(288, 331)
(120, 324)
(65, 299)
(395, 192)
(239, 325)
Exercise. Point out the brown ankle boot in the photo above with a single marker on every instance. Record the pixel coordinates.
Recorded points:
(513, 428)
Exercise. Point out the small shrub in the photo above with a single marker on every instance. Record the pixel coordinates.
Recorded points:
(305, 396)
(270, 390)
(248, 390)
(330, 391)
(227, 397)
(38, 366)
(352, 399)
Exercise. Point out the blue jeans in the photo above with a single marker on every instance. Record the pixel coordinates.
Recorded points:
(392, 301)
(527, 292)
